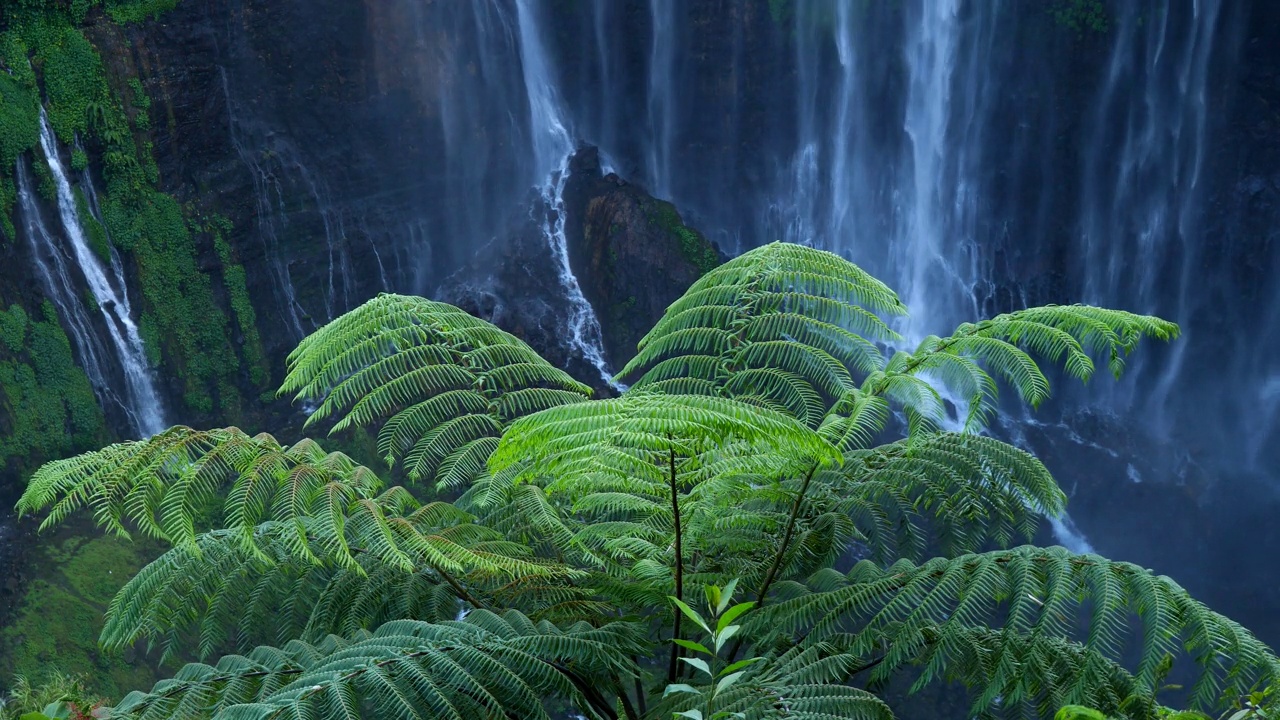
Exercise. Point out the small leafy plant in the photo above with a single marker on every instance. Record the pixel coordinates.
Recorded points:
(720, 674)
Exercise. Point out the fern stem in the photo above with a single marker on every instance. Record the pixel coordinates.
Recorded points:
(589, 692)
(780, 556)
(461, 591)
(640, 696)
(675, 511)
(458, 589)
(628, 708)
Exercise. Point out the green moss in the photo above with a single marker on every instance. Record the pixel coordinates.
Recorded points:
(19, 124)
(1081, 15)
(19, 117)
(138, 11)
(79, 160)
(73, 82)
(44, 181)
(56, 626)
(233, 277)
(50, 406)
(693, 246)
(141, 100)
(13, 328)
(93, 230)
(780, 10)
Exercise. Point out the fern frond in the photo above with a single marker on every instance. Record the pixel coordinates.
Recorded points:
(971, 490)
(485, 666)
(202, 591)
(806, 315)
(439, 378)
(1038, 592)
(631, 437)
(163, 484)
(1036, 673)
(1003, 346)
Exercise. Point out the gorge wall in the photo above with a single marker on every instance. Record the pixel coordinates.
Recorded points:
(265, 165)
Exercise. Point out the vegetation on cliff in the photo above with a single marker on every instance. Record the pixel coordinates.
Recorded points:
(184, 327)
(50, 406)
(748, 464)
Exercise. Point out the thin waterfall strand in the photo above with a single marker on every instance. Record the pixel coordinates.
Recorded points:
(552, 148)
(142, 401)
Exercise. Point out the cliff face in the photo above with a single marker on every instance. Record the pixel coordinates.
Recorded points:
(315, 152)
(632, 253)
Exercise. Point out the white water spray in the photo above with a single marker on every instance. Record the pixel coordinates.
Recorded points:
(106, 283)
(552, 148)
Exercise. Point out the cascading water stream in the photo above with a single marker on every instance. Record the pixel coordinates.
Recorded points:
(552, 148)
(279, 178)
(57, 282)
(1140, 211)
(140, 399)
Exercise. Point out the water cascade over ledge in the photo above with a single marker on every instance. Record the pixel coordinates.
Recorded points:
(61, 267)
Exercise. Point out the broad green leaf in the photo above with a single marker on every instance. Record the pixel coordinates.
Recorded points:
(698, 663)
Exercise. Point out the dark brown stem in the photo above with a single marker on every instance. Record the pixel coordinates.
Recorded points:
(628, 709)
(675, 511)
(780, 556)
(640, 697)
(459, 590)
(589, 692)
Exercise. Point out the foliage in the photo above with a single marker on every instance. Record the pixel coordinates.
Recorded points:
(445, 382)
(1256, 705)
(50, 404)
(1081, 15)
(183, 326)
(19, 119)
(235, 280)
(62, 697)
(693, 246)
(55, 627)
(94, 232)
(138, 11)
(745, 455)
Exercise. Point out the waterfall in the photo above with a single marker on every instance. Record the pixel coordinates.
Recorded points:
(55, 278)
(106, 285)
(662, 100)
(552, 148)
(1140, 219)
(278, 173)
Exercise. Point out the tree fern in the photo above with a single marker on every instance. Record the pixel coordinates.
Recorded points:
(791, 328)
(780, 325)
(745, 454)
(444, 382)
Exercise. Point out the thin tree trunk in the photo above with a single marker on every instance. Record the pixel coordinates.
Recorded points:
(782, 553)
(675, 511)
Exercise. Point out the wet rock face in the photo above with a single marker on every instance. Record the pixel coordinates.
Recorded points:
(511, 282)
(632, 253)
(1153, 504)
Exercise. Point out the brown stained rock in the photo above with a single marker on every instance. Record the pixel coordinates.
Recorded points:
(632, 253)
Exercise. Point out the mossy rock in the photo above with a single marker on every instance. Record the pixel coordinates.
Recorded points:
(56, 626)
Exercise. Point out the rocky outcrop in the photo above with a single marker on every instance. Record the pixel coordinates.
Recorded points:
(632, 253)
